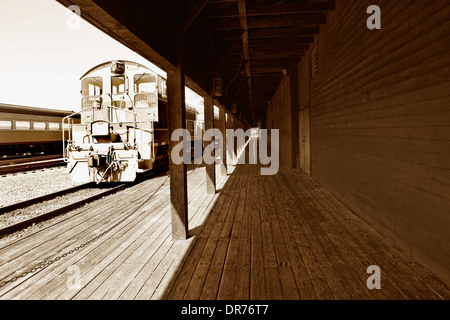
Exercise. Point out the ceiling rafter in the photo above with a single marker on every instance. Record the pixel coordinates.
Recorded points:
(216, 12)
(283, 32)
(286, 21)
(244, 27)
(280, 41)
(257, 42)
(289, 8)
(193, 14)
(227, 52)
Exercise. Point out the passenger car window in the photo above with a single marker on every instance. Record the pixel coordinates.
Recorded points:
(39, 125)
(23, 125)
(53, 126)
(5, 125)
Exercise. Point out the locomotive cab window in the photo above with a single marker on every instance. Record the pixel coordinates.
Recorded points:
(92, 86)
(91, 90)
(5, 125)
(145, 89)
(162, 88)
(119, 85)
(145, 82)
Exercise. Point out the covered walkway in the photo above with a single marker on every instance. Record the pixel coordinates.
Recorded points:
(259, 237)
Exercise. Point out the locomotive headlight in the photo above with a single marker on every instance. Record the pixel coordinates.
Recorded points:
(117, 67)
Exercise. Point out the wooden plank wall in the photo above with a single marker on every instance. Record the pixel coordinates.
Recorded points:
(380, 120)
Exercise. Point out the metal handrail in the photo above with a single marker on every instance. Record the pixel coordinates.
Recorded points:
(70, 124)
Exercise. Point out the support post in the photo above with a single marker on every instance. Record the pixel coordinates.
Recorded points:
(222, 128)
(209, 124)
(178, 177)
(293, 73)
(229, 151)
(236, 145)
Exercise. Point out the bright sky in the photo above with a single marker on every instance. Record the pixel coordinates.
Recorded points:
(42, 55)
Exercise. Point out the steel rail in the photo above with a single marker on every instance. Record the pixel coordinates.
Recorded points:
(30, 202)
(51, 214)
(31, 166)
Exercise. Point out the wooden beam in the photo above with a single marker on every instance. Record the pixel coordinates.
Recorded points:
(221, 12)
(238, 92)
(208, 36)
(215, 12)
(235, 144)
(265, 70)
(273, 63)
(193, 14)
(219, 25)
(275, 55)
(295, 107)
(223, 1)
(228, 139)
(209, 124)
(177, 120)
(266, 77)
(281, 41)
(244, 27)
(283, 32)
(223, 129)
(289, 8)
(285, 21)
(282, 48)
(270, 22)
(230, 35)
(228, 52)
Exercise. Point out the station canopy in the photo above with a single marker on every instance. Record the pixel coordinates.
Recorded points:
(249, 45)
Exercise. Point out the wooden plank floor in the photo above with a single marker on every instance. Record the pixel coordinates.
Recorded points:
(260, 237)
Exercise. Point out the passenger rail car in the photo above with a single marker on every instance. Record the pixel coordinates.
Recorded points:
(124, 124)
(27, 131)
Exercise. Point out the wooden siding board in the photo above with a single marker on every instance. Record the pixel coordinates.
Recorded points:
(380, 118)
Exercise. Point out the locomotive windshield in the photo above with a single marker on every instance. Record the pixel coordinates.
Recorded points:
(145, 82)
(145, 89)
(91, 91)
(118, 85)
(91, 86)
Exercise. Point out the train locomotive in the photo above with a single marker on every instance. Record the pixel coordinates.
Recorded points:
(123, 130)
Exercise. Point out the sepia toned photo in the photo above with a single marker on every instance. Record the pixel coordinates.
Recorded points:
(229, 155)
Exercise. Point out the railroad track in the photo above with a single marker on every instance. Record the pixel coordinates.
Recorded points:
(23, 159)
(20, 167)
(17, 226)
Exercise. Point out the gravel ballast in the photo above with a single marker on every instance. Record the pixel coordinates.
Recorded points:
(18, 187)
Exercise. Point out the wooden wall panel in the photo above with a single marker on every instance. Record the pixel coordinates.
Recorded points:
(380, 120)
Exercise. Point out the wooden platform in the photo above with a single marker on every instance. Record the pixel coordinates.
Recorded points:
(260, 237)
